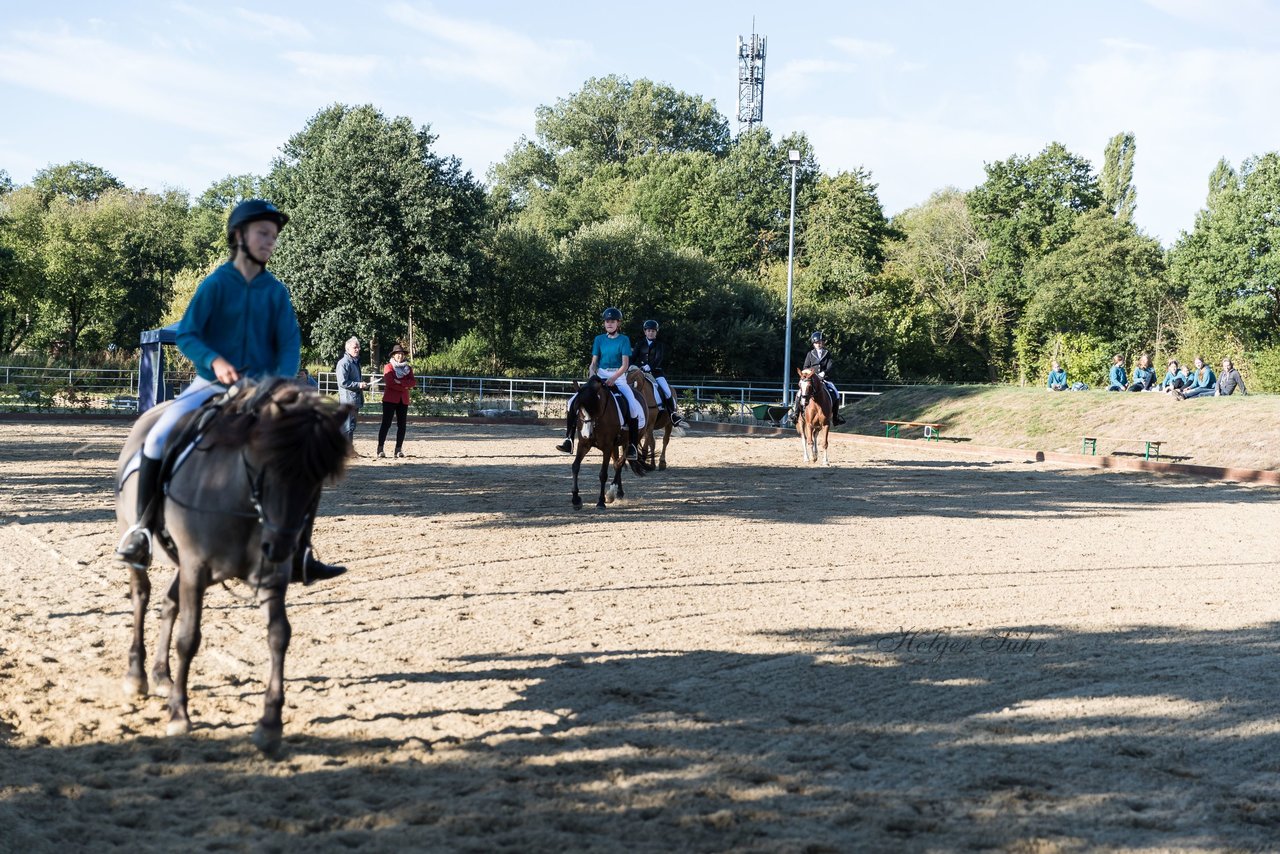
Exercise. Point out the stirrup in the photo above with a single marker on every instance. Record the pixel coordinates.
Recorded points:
(128, 549)
(632, 453)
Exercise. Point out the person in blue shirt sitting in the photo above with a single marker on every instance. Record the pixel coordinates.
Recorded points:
(1203, 380)
(610, 359)
(1144, 376)
(1119, 379)
(1057, 378)
(1173, 378)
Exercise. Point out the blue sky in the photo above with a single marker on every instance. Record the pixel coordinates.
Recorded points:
(921, 94)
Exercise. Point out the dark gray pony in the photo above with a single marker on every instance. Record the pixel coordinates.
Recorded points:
(235, 507)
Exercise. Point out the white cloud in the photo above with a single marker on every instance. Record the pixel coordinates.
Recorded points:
(501, 58)
(332, 67)
(273, 26)
(1186, 109)
(861, 49)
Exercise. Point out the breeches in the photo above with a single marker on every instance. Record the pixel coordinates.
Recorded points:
(637, 411)
(191, 399)
(664, 385)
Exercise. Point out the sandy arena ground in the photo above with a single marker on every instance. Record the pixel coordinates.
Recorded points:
(914, 649)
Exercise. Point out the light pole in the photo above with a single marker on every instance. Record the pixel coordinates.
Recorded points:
(793, 156)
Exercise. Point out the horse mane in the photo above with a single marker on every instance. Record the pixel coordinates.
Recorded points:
(287, 426)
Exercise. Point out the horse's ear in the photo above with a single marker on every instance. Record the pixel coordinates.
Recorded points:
(576, 386)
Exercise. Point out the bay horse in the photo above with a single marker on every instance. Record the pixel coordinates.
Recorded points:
(600, 426)
(656, 418)
(816, 416)
(236, 505)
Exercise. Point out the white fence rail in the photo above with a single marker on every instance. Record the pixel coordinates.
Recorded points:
(117, 389)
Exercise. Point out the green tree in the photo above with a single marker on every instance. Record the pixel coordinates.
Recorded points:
(83, 289)
(612, 119)
(519, 300)
(1101, 289)
(1228, 265)
(943, 258)
(153, 249)
(76, 181)
(21, 234)
(380, 224)
(1116, 183)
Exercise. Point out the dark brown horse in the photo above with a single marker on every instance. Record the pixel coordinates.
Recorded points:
(817, 415)
(656, 419)
(235, 506)
(599, 426)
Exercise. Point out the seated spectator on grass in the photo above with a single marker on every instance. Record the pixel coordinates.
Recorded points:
(304, 376)
(1119, 379)
(1228, 381)
(1173, 377)
(1057, 378)
(1144, 376)
(1203, 381)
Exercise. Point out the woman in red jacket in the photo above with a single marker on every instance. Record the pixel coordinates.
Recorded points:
(397, 380)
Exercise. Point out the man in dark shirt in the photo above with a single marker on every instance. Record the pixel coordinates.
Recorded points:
(1228, 380)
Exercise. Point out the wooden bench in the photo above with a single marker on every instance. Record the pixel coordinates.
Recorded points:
(1152, 445)
(931, 430)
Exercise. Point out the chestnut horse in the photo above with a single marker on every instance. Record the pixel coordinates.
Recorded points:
(235, 506)
(600, 426)
(656, 418)
(817, 415)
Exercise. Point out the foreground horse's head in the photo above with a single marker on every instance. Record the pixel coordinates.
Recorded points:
(291, 442)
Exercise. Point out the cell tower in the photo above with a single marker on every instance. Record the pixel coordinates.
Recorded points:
(750, 81)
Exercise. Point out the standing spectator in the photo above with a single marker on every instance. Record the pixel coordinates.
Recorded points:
(1202, 381)
(350, 386)
(1119, 379)
(1057, 378)
(1228, 381)
(1144, 376)
(397, 381)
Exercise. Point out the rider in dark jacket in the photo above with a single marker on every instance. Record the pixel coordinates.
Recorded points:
(649, 355)
(820, 361)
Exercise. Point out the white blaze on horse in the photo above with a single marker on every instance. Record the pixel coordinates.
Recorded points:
(816, 416)
(236, 505)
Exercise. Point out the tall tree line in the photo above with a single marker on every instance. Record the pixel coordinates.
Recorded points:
(634, 194)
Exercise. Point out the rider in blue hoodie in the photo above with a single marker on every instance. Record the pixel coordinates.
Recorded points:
(239, 323)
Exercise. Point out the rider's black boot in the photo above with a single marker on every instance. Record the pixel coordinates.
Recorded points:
(310, 568)
(135, 547)
(570, 422)
(634, 430)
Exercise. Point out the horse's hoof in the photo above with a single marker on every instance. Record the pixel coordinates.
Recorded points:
(662, 466)
(134, 686)
(600, 505)
(163, 686)
(577, 502)
(178, 728)
(267, 740)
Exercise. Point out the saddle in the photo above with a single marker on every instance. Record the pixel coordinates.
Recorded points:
(184, 439)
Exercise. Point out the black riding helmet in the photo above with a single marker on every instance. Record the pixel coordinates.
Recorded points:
(651, 324)
(252, 210)
(817, 336)
(611, 314)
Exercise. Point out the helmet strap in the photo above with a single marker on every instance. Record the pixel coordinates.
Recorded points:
(243, 246)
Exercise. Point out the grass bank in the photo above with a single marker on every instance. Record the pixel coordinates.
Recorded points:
(1224, 431)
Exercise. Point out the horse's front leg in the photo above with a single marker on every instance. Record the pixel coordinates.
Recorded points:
(577, 464)
(804, 439)
(619, 463)
(826, 433)
(135, 681)
(604, 474)
(271, 728)
(191, 586)
(666, 437)
(160, 674)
